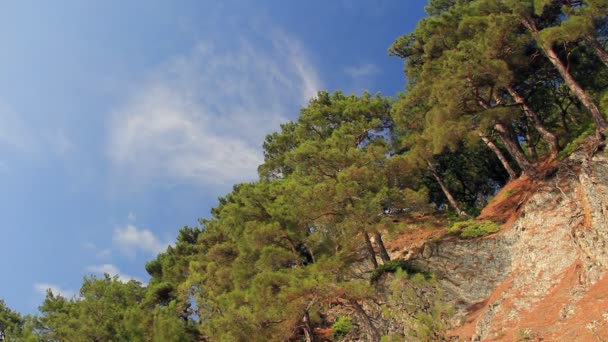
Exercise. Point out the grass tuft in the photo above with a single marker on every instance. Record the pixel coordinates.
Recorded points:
(471, 229)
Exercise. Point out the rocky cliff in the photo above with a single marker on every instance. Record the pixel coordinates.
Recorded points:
(544, 275)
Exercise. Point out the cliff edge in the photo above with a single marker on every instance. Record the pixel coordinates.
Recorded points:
(544, 275)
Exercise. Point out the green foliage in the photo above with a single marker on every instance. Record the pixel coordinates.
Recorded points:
(391, 338)
(505, 194)
(574, 144)
(106, 310)
(342, 327)
(604, 102)
(167, 326)
(11, 322)
(436, 7)
(416, 301)
(394, 266)
(471, 229)
(110, 310)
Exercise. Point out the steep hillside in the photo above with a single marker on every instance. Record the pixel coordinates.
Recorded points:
(543, 276)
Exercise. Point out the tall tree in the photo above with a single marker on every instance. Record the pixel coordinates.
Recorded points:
(585, 21)
(341, 144)
(525, 12)
(466, 82)
(13, 326)
(107, 310)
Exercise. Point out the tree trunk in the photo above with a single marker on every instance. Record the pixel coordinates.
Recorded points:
(599, 49)
(549, 138)
(312, 255)
(508, 137)
(564, 119)
(446, 191)
(308, 333)
(370, 249)
(501, 157)
(371, 329)
(383, 253)
(601, 125)
(294, 250)
(530, 146)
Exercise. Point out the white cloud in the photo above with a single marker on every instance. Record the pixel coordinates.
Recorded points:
(111, 270)
(202, 117)
(295, 54)
(130, 239)
(101, 253)
(42, 288)
(362, 70)
(29, 139)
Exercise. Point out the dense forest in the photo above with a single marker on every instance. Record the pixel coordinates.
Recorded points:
(495, 90)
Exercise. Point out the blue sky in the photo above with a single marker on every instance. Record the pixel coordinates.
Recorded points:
(122, 121)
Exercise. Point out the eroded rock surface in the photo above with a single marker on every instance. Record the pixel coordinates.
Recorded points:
(544, 275)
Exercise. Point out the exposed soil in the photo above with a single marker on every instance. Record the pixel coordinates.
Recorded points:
(414, 237)
(570, 307)
(420, 229)
(563, 315)
(507, 202)
(510, 199)
(571, 310)
(467, 329)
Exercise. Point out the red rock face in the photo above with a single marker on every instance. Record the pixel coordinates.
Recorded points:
(544, 276)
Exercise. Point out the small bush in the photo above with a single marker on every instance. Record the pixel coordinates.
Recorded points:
(392, 267)
(452, 216)
(473, 229)
(342, 327)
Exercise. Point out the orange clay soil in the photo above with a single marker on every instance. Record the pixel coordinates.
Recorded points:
(513, 196)
(507, 202)
(548, 320)
(467, 329)
(502, 209)
(421, 228)
(564, 314)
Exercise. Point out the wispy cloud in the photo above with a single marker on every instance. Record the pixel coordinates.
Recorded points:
(28, 139)
(202, 117)
(362, 70)
(111, 270)
(42, 288)
(101, 253)
(131, 239)
(295, 56)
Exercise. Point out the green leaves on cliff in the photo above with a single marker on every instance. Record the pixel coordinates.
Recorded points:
(473, 229)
